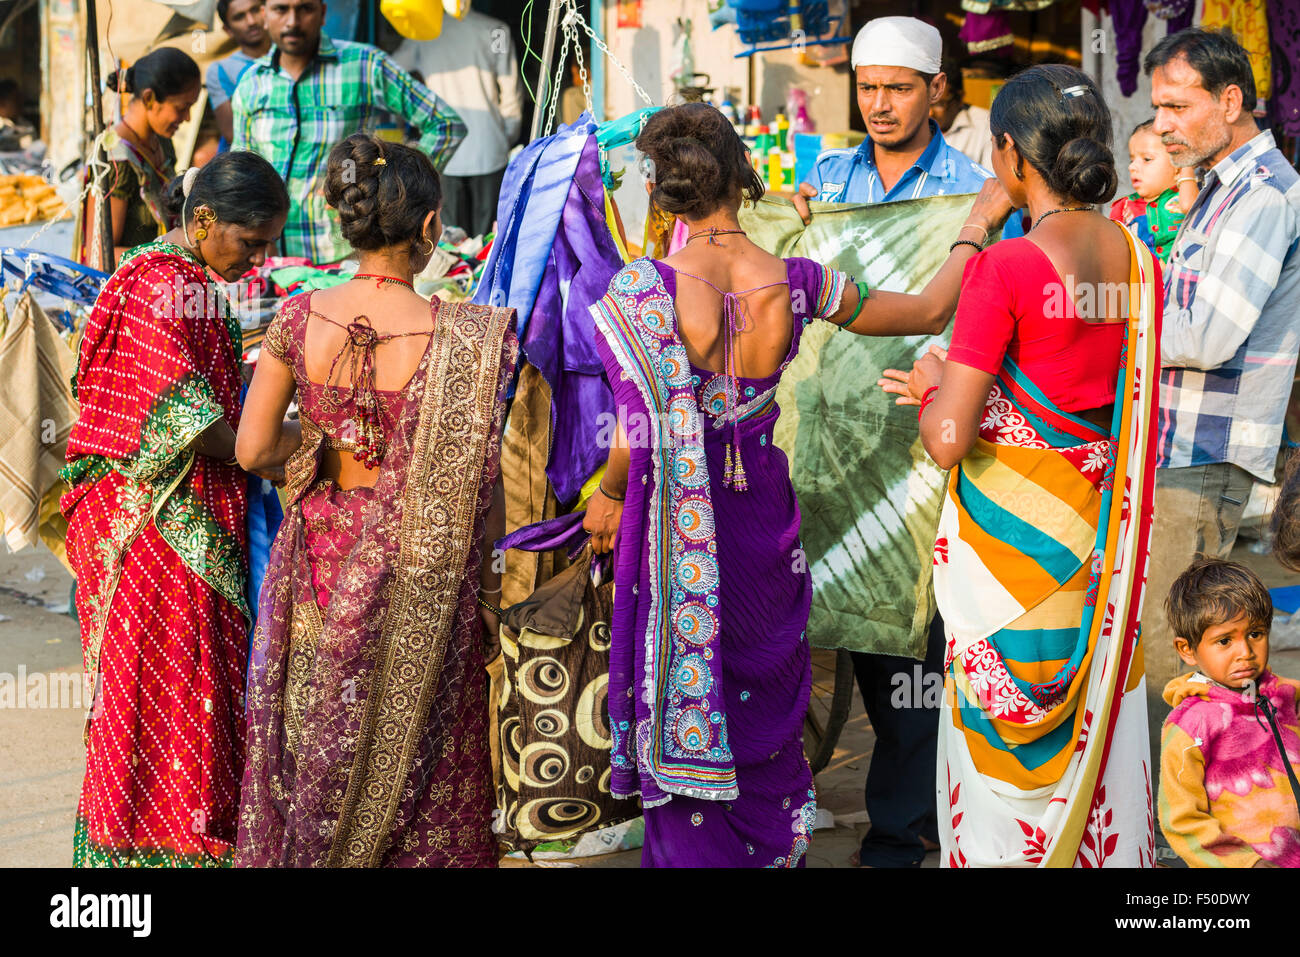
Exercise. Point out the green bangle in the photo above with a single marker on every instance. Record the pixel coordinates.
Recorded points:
(862, 297)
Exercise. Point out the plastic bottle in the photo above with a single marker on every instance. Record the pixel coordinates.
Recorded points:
(802, 121)
(755, 121)
(781, 126)
(787, 169)
(797, 104)
(728, 109)
(775, 178)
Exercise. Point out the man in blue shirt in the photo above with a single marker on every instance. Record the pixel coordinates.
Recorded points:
(899, 78)
(245, 22)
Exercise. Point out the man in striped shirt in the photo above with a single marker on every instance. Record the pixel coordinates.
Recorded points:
(308, 93)
(1231, 322)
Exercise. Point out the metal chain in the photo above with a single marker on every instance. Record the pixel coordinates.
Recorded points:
(91, 179)
(600, 45)
(582, 72)
(561, 55)
(573, 20)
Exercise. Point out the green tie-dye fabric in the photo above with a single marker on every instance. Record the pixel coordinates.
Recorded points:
(869, 494)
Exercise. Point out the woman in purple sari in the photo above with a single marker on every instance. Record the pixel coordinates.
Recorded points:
(709, 662)
(367, 698)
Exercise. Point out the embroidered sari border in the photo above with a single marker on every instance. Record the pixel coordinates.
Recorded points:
(411, 650)
(682, 743)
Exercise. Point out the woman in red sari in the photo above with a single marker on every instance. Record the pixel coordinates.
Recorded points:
(157, 515)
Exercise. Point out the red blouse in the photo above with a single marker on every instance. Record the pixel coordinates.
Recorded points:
(1014, 303)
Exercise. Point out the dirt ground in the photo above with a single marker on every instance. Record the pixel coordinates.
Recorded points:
(42, 761)
(41, 756)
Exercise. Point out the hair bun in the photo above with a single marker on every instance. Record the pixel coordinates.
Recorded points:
(382, 191)
(688, 176)
(698, 161)
(1085, 170)
(173, 198)
(124, 76)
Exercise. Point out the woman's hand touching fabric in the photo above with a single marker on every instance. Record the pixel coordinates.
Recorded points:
(911, 386)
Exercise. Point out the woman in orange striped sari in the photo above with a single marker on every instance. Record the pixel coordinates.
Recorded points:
(1043, 409)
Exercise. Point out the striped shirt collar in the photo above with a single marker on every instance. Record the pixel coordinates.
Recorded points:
(1242, 159)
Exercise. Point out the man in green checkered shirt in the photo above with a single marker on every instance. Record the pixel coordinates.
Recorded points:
(309, 92)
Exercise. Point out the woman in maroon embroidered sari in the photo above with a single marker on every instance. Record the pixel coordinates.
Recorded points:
(156, 531)
(368, 740)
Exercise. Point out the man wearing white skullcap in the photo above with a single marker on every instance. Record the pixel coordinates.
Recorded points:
(897, 64)
(897, 61)
(899, 41)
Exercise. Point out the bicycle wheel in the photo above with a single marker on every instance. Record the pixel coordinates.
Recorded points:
(828, 704)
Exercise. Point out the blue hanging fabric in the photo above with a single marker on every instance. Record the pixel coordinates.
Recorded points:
(534, 189)
(564, 263)
(264, 518)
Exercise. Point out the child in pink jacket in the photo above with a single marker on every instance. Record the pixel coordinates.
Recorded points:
(1227, 795)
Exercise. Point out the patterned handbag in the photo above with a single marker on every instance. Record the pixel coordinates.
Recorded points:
(552, 709)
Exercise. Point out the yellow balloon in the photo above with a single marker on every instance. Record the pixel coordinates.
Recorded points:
(414, 19)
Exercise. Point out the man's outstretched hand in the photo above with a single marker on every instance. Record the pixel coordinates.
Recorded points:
(806, 192)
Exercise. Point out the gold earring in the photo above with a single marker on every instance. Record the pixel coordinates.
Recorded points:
(204, 218)
(429, 251)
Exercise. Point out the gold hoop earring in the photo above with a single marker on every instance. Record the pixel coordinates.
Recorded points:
(429, 251)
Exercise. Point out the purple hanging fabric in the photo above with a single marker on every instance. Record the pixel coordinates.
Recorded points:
(560, 337)
(1183, 18)
(1128, 18)
(987, 33)
(1170, 9)
(1176, 13)
(1284, 36)
(563, 531)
